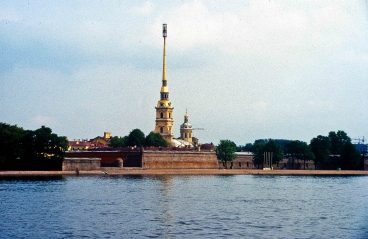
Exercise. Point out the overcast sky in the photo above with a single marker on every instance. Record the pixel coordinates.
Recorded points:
(244, 70)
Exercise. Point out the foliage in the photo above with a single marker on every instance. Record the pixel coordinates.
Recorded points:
(299, 150)
(10, 138)
(136, 138)
(39, 149)
(258, 150)
(350, 157)
(116, 142)
(226, 151)
(247, 147)
(338, 141)
(262, 146)
(156, 140)
(275, 148)
(320, 147)
(336, 151)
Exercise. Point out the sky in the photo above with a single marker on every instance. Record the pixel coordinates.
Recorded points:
(243, 70)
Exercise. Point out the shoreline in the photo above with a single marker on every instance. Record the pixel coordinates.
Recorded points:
(139, 171)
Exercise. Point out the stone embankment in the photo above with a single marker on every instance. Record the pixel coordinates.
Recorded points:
(139, 171)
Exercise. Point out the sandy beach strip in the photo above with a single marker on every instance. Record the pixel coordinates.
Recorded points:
(139, 171)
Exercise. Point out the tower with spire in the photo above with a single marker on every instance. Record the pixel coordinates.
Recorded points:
(164, 109)
(186, 129)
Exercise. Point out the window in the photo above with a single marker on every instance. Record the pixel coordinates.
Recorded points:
(161, 129)
(162, 115)
(185, 135)
(169, 115)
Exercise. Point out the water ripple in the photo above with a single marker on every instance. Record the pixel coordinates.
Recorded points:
(245, 206)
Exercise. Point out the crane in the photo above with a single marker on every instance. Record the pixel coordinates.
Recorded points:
(359, 140)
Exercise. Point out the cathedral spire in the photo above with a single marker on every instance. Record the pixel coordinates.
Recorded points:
(164, 88)
(164, 109)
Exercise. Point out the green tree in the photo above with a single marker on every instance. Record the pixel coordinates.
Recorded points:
(226, 152)
(258, 150)
(156, 140)
(350, 157)
(246, 147)
(116, 142)
(136, 138)
(338, 141)
(276, 149)
(320, 147)
(299, 150)
(42, 149)
(10, 146)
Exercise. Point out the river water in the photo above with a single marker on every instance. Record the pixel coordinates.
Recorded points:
(235, 206)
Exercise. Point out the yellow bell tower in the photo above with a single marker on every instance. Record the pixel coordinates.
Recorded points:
(164, 109)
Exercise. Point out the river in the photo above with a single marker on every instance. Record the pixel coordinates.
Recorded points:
(234, 206)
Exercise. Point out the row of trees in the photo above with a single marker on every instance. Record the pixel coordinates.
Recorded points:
(336, 149)
(327, 152)
(137, 138)
(38, 149)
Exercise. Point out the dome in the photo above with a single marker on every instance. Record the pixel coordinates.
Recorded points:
(186, 125)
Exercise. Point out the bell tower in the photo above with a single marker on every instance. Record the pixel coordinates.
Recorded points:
(186, 129)
(164, 109)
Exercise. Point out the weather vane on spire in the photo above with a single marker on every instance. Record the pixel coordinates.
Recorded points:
(164, 30)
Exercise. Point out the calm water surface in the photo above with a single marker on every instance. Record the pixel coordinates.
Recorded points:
(236, 206)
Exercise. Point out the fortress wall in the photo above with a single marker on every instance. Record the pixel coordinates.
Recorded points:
(179, 160)
(82, 164)
(246, 162)
(109, 158)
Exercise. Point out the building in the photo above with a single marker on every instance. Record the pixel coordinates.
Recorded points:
(103, 141)
(164, 109)
(165, 112)
(186, 130)
(79, 145)
(99, 142)
(362, 148)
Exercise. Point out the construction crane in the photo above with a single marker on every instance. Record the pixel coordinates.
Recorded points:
(198, 129)
(359, 140)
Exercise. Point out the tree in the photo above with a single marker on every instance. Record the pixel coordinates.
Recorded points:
(246, 147)
(320, 147)
(42, 149)
(258, 150)
(136, 138)
(338, 141)
(10, 146)
(116, 142)
(306, 153)
(299, 150)
(226, 151)
(277, 152)
(350, 157)
(156, 140)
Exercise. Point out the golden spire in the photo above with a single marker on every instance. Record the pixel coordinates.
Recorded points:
(164, 87)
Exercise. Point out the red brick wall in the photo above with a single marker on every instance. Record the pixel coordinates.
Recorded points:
(179, 160)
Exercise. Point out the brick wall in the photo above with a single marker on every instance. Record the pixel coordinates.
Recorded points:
(179, 160)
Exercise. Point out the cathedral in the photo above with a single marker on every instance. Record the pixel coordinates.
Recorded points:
(164, 112)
